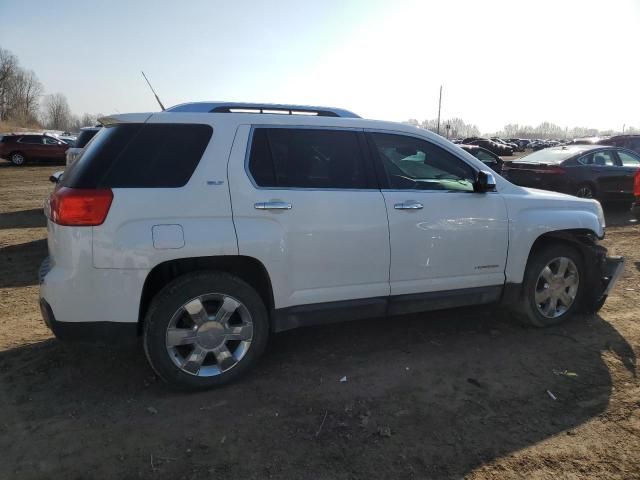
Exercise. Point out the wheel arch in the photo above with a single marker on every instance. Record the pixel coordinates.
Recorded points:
(247, 268)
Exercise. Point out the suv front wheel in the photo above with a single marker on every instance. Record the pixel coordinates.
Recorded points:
(204, 330)
(553, 286)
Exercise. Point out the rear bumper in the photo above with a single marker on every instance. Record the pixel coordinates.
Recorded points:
(106, 333)
(91, 305)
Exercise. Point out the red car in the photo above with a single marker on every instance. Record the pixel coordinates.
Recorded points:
(19, 148)
(635, 206)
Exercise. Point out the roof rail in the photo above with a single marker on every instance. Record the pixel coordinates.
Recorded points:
(267, 108)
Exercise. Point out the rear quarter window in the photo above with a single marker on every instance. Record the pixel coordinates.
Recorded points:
(139, 155)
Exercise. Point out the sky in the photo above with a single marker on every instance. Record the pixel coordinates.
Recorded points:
(574, 63)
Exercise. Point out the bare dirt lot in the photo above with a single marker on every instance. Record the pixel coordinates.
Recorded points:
(451, 394)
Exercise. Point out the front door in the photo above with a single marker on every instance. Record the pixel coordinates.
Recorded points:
(306, 205)
(444, 236)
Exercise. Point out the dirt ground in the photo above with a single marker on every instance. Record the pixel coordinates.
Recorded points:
(456, 394)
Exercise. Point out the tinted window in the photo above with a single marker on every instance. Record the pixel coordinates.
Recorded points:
(50, 141)
(140, 155)
(601, 159)
(32, 139)
(306, 158)
(84, 137)
(411, 163)
(628, 159)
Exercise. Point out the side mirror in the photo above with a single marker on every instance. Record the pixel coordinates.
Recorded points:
(485, 182)
(56, 177)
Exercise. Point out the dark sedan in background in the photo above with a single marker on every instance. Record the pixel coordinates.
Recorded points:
(497, 148)
(589, 171)
(490, 159)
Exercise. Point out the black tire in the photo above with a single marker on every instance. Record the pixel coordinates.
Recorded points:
(526, 309)
(17, 158)
(586, 190)
(172, 298)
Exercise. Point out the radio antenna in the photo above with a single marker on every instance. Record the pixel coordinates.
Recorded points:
(154, 92)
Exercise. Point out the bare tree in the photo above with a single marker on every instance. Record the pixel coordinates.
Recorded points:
(57, 114)
(24, 97)
(8, 69)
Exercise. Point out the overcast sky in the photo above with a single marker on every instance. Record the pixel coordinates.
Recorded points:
(574, 63)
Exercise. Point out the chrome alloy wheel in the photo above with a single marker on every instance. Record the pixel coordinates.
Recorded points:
(209, 335)
(17, 159)
(557, 287)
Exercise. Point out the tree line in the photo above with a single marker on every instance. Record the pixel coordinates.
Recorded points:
(23, 101)
(458, 128)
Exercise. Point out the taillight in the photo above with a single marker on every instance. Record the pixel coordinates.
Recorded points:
(79, 207)
(636, 184)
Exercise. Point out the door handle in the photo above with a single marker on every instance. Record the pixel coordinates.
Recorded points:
(272, 206)
(408, 205)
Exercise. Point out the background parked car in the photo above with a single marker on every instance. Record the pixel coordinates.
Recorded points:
(490, 159)
(497, 148)
(514, 146)
(86, 134)
(22, 147)
(590, 171)
(631, 142)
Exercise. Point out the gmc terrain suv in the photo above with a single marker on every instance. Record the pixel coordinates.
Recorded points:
(209, 226)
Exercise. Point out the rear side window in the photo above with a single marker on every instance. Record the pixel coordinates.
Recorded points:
(136, 155)
(598, 159)
(84, 137)
(307, 158)
(31, 139)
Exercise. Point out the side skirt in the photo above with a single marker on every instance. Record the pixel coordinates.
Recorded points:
(331, 312)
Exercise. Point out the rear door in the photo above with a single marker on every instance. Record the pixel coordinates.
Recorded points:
(604, 170)
(32, 146)
(306, 205)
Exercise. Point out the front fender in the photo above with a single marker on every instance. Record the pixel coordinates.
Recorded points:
(527, 225)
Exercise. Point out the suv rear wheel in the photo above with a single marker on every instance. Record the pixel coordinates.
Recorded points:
(553, 286)
(204, 330)
(17, 158)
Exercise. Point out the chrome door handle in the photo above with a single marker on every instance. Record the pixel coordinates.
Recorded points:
(408, 205)
(272, 206)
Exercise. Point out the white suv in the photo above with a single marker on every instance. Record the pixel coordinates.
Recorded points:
(209, 226)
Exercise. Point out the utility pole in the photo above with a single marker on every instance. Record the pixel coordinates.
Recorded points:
(439, 107)
(624, 125)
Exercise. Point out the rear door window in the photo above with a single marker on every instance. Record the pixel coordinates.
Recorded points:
(139, 155)
(307, 158)
(598, 159)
